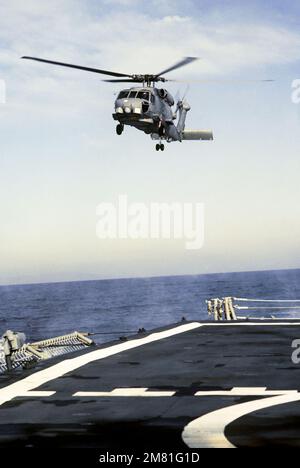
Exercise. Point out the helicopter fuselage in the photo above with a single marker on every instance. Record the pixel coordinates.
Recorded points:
(148, 109)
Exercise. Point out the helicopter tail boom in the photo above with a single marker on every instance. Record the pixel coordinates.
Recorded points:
(183, 107)
(197, 135)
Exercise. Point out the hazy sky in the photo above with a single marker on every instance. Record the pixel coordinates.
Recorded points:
(60, 156)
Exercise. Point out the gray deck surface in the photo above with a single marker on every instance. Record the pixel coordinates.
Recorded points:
(212, 357)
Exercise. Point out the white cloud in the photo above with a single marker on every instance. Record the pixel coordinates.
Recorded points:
(126, 3)
(107, 37)
(175, 19)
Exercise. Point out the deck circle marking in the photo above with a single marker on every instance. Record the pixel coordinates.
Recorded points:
(208, 431)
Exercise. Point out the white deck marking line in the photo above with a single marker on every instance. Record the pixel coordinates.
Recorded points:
(245, 391)
(208, 431)
(142, 392)
(58, 370)
(126, 392)
(36, 394)
(251, 324)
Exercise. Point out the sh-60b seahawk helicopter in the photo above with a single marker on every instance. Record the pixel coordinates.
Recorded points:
(148, 108)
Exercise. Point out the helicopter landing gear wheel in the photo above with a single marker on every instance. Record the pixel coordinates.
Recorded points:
(160, 146)
(119, 129)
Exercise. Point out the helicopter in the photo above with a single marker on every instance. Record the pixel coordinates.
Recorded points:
(147, 107)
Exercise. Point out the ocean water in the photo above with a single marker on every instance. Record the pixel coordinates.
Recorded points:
(113, 308)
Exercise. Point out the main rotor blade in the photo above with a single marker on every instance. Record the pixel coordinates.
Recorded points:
(221, 81)
(180, 64)
(122, 81)
(62, 64)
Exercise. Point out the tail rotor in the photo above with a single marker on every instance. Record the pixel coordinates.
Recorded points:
(180, 100)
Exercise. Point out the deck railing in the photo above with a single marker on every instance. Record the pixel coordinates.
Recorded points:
(226, 308)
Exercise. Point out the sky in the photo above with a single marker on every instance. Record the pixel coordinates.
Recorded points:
(60, 156)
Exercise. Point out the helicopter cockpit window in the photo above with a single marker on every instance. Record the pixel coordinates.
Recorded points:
(132, 94)
(123, 94)
(143, 95)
